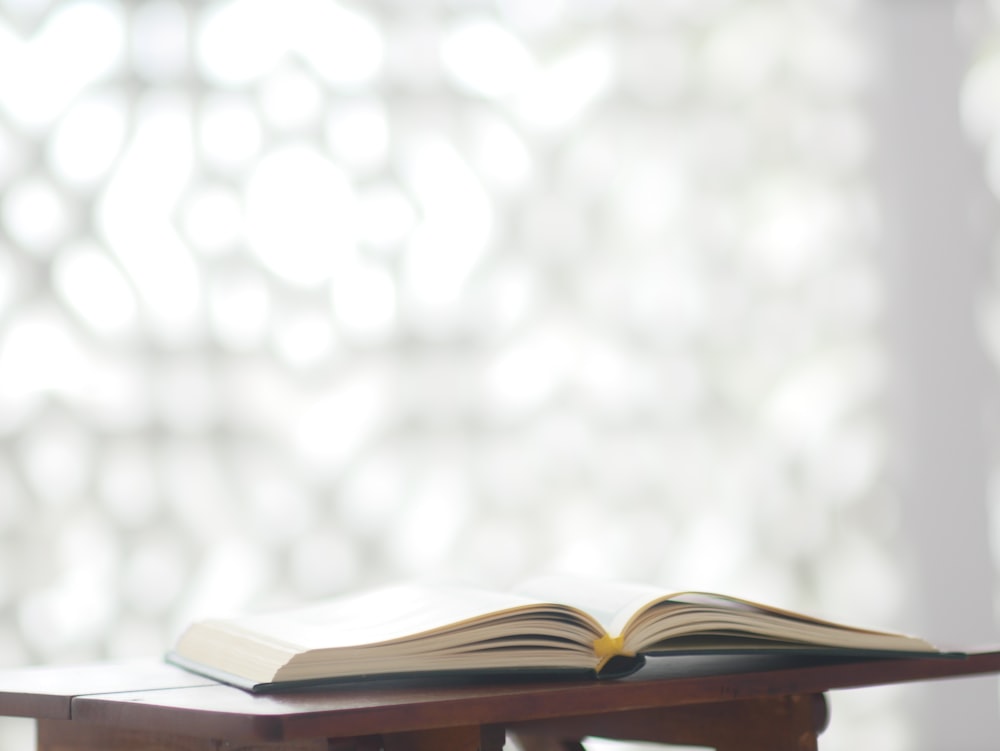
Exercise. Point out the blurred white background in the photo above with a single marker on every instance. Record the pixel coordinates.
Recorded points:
(302, 297)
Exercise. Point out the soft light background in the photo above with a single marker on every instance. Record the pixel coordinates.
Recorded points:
(307, 296)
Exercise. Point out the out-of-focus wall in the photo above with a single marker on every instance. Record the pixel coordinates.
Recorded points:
(935, 104)
(302, 297)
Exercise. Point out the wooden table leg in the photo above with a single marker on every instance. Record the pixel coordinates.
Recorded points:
(786, 723)
(528, 742)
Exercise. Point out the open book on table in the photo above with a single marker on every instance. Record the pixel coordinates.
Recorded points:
(548, 625)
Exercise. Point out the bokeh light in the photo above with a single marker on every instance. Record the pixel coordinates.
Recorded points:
(301, 297)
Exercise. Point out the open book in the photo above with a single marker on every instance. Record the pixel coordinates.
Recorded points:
(548, 625)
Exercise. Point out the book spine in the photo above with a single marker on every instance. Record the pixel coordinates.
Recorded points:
(608, 647)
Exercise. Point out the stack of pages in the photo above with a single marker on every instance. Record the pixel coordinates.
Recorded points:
(548, 625)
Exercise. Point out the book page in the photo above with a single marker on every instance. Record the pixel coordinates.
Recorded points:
(391, 613)
(648, 616)
(611, 603)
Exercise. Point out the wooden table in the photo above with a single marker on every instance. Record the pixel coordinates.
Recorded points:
(744, 703)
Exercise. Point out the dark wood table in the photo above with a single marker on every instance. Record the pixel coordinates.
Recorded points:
(741, 703)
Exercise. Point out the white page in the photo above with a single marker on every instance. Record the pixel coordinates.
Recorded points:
(611, 603)
(381, 615)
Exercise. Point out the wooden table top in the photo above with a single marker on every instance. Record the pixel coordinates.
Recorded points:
(151, 695)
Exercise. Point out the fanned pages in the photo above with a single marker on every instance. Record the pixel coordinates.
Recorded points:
(548, 625)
